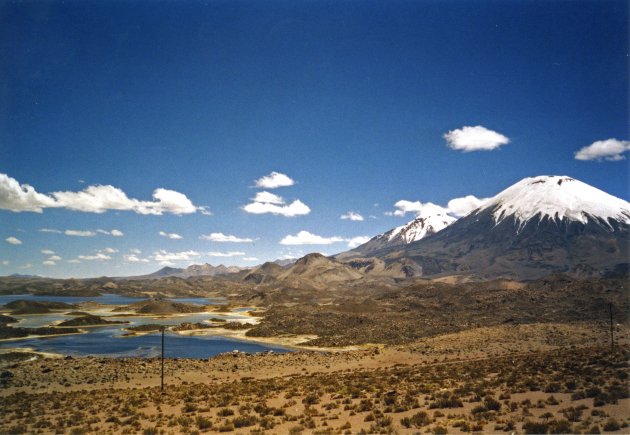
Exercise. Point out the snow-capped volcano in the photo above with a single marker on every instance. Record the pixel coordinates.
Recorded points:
(538, 226)
(556, 198)
(413, 231)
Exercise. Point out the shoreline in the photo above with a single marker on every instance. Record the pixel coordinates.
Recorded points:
(28, 337)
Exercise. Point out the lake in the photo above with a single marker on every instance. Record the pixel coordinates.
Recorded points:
(108, 341)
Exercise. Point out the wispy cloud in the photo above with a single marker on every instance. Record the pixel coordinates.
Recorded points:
(274, 180)
(476, 138)
(352, 215)
(50, 230)
(173, 236)
(225, 238)
(306, 238)
(97, 256)
(93, 199)
(609, 149)
(163, 256)
(13, 240)
(226, 254)
(47, 252)
(49, 263)
(115, 233)
(79, 233)
(133, 258)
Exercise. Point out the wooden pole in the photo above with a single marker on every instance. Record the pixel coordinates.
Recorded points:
(162, 376)
(612, 329)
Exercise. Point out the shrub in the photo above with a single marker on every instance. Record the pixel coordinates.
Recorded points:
(532, 427)
(560, 426)
(611, 425)
(244, 421)
(225, 412)
(203, 422)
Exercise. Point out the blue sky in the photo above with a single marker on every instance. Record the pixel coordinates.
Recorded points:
(350, 100)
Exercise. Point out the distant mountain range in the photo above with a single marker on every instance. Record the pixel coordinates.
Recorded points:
(536, 227)
(190, 271)
(205, 270)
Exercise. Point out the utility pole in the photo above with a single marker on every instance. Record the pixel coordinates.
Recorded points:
(612, 329)
(162, 376)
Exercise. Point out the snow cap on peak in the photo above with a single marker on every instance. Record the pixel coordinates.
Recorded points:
(420, 227)
(556, 197)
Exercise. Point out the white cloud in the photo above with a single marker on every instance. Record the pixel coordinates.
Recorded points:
(5, 262)
(97, 256)
(609, 149)
(163, 256)
(269, 198)
(352, 215)
(274, 180)
(54, 258)
(456, 207)
(110, 250)
(173, 236)
(204, 210)
(250, 259)
(47, 252)
(132, 258)
(93, 199)
(48, 263)
(296, 208)
(21, 197)
(476, 138)
(224, 238)
(265, 202)
(49, 230)
(79, 233)
(226, 254)
(416, 207)
(306, 238)
(13, 241)
(459, 207)
(357, 241)
(135, 251)
(115, 233)
(74, 261)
